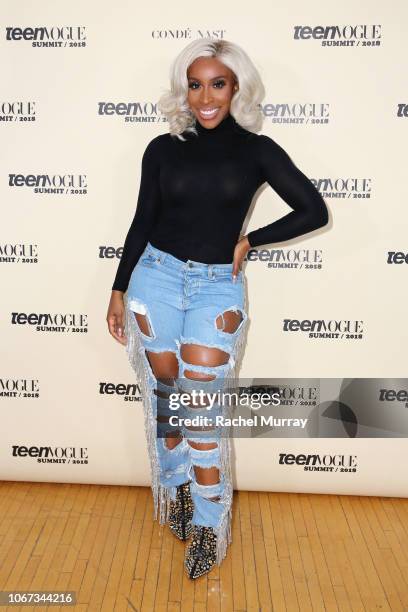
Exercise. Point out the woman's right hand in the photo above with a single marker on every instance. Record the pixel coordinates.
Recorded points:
(116, 317)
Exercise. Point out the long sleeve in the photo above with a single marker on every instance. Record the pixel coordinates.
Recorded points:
(309, 208)
(147, 209)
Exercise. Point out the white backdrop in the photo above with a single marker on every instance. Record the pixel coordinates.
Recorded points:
(336, 100)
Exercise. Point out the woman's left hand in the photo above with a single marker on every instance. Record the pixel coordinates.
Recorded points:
(241, 249)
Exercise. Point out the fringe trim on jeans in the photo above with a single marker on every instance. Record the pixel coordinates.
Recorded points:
(224, 530)
(137, 357)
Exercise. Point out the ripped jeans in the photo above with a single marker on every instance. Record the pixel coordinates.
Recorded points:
(185, 303)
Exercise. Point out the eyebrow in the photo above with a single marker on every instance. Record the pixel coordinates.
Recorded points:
(221, 76)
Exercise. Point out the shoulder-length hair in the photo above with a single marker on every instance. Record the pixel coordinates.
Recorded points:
(245, 103)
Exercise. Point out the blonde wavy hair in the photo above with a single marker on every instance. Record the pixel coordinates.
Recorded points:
(245, 103)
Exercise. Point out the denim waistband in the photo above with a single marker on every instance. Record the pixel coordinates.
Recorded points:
(189, 265)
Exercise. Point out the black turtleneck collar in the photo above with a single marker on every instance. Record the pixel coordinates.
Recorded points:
(227, 125)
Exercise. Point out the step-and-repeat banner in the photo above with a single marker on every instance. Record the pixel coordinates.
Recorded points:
(78, 105)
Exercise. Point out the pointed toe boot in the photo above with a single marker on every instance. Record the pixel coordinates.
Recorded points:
(201, 553)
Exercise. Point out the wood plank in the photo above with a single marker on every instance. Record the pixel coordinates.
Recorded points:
(289, 551)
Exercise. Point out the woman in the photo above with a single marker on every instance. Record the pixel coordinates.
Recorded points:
(184, 317)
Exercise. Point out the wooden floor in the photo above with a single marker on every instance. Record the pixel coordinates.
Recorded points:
(289, 552)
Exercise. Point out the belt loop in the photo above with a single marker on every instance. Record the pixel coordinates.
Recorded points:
(210, 271)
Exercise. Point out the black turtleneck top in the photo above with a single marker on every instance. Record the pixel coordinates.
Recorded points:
(194, 195)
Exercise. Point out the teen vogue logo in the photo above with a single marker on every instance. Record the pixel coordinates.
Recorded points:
(329, 330)
(288, 259)
(130, 392)
(17, 111)
(344, 187)
(402, 110)
(132, 112)
(298, 113)
(18, 253)
(54, 36)
(394, 395)
(320, 463)
(19, 388)
(110, 252)
(46, 322)
(52, 454)
(397, 257)
(340, 35)
(299, 396)
(56, 184)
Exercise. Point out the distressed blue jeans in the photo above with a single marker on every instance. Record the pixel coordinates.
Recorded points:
(185, 303)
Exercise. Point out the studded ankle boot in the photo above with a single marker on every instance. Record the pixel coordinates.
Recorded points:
(181, 512)
(201, 552)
